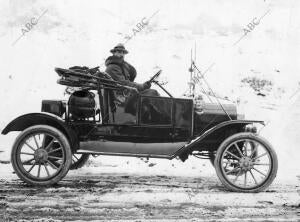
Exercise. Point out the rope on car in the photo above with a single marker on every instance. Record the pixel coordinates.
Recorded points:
(202, 76)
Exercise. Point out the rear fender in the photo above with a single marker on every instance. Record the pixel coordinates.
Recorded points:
(31, 119)
(224, 126)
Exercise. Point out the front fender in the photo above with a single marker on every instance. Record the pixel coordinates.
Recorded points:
(221, 126)
(31, 119)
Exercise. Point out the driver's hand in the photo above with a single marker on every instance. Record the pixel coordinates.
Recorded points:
(147, 85)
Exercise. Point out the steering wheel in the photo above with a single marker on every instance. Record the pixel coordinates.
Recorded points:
(155, 76)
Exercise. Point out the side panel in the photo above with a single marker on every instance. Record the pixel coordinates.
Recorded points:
(159, 120)
(126, 133)
(175, 114)
(183, 118)
(156, 111)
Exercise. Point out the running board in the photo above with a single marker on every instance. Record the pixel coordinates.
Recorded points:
(125, 154)
(155, 150)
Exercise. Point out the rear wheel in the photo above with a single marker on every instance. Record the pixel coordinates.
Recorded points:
(41, 155)
(246, 162)
(78, 160)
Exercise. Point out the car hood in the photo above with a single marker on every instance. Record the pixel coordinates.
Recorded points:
(208, 115)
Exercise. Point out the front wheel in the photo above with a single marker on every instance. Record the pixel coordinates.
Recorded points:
(246, 162)
(41, 155)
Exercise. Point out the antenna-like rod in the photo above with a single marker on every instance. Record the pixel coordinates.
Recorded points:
(191, 76)
(193, 69)
(202, 76)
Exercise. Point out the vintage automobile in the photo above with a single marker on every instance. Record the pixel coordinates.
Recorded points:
(105, 117)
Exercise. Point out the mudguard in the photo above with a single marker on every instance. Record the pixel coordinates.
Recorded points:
(43, 118)
(221, 126)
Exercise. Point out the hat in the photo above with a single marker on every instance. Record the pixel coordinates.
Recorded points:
(119, 47)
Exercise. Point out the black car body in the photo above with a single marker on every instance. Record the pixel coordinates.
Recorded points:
(94, 121)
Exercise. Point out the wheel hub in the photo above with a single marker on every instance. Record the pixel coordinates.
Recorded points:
(246, 163)
(41, 155)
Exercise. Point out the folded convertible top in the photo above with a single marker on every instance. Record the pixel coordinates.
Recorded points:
(85, 79)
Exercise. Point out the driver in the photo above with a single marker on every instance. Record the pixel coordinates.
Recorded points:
(122, 71)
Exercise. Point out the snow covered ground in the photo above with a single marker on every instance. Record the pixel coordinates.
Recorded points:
(76, 33)
(118, 189)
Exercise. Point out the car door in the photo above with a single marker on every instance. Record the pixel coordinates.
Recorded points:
(168, 117)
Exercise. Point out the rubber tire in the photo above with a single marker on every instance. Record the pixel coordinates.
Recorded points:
(81, 162)
(65, 145)
(238, 136)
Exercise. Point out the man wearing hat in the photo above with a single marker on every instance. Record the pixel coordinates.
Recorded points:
(122, 71)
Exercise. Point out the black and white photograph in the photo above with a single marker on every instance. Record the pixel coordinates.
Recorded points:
(150, 111)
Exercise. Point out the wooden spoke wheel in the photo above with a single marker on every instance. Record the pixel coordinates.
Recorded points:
(41, 155)
(246, 162)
